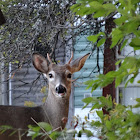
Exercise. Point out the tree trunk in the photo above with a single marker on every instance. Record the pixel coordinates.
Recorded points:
(2, 19)
(109, 58)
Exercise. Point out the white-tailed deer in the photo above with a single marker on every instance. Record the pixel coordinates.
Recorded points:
(56, 108)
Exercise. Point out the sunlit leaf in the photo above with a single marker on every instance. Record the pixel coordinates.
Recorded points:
(45, 126)
(100, 42)
(88, 132)
(87, 100)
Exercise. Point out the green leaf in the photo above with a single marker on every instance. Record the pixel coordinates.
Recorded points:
(138, 100)
(127, 83)
(4, 128)
(108, 125)
(96, 106)
(84, 106)
(83, 11)
(32, 134)
(95, 5)
(75, 7)
(124, 44)
(121, 20)
(94, 38)
(15, 131)
(118, 62)
(117, 35)
(94, 87)
(45, 126)
(100, 114)
(54, 135)
(137, 105)
(89, 82)
(109, 8)
(135, 43)
(34, 131)
(96, 123)
(118, 81)
(111, 136)
(87, 100)
(132, 80)
(100, 42)
(88, 132)
(99, 13)
(34, 128)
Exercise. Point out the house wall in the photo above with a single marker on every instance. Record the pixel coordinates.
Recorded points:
(88, 72)
(24, 86)
(131, 92)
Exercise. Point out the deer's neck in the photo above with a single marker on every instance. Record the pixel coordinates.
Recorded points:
(56, 109)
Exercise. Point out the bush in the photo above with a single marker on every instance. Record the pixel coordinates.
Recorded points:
(120, 123)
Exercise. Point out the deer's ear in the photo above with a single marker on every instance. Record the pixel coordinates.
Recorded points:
(40, 63)
(77, 64)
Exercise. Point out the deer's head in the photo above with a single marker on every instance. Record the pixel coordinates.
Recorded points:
(59, 76)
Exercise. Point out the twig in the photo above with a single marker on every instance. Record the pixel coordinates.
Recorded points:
(57, 128)
(19, 134)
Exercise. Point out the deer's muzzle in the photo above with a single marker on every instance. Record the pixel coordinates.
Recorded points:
(61, 90)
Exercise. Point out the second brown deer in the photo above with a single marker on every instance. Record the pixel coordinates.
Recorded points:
(55, 110)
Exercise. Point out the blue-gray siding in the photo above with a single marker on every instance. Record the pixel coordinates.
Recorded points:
(89, 71)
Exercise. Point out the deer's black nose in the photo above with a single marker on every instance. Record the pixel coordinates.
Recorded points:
(60, 89)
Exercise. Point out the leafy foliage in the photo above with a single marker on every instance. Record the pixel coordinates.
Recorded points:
(127, 21)
(29, 104)
(83, 127)
(104, 102)
(119, 124)
(126, 73)
(4, 128)
(42, 130)
(34, 131)
(127, 26)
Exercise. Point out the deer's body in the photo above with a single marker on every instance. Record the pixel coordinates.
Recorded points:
(56, 107)
(19, 117)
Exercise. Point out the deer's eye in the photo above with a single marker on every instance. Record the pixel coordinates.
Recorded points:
(69, 75)
(50, 75)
